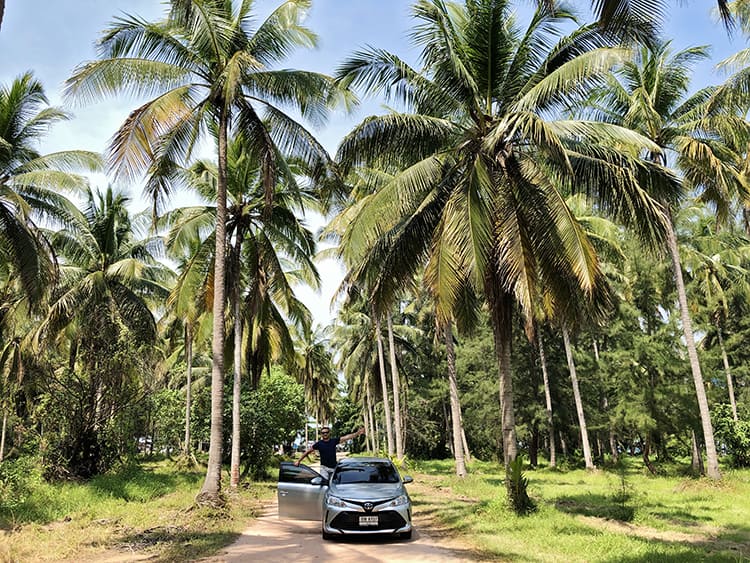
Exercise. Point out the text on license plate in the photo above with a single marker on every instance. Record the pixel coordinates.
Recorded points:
(368, 520)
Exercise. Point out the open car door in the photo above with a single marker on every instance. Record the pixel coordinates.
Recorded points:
(299, 497)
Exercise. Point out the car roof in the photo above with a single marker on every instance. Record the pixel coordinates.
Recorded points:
(355, 460)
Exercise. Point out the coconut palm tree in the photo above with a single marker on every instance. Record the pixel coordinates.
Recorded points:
(360, 360)
(30, 183)
(701, 138)
(110, 279)
(624, 12)
(270, 252)
(486, 157)
(205, 64)
(315, 371)
(717, 265)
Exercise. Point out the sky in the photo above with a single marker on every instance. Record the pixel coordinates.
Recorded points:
(51, 37)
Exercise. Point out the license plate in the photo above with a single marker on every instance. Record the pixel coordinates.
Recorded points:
(368, 520)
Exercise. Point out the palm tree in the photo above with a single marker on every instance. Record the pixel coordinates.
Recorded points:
(110, 279)
(698, 136)
(354, 337)
(717, 265)
(270, 251)
(189, 315)
(315, 371)
(483, 160)
(612, 13)
(206, 66)
(30, 182)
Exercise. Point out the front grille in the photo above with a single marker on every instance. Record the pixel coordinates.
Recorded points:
(387, 520)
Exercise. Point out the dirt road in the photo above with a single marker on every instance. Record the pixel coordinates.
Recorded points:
(272, 539)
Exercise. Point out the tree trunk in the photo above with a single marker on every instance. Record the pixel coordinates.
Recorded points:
(563, 445)
(396, 382)
(696, 459)
(548, 401)
(458, 448)
(730, 384)
(501, 313)
(467, 453)
(211, 490)
(2, 434)
(189, 385)
(646, 452)
(534, 446)
(384, 385)
(577, 395)
(687, 328)
(372, 433)
(612, 441)
(234, 479)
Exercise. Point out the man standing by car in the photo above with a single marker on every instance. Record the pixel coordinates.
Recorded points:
(326, 447)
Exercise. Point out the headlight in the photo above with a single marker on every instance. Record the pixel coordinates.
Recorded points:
(335, 501)
(399, 501)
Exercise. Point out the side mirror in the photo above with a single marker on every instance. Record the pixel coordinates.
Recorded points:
(408, 479)
(318, 481)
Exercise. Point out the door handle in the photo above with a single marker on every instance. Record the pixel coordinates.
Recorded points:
(283, 493)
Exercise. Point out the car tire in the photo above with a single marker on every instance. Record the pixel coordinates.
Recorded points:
(405, 535)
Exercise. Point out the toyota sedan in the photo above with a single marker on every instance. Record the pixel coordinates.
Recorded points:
(365, 495)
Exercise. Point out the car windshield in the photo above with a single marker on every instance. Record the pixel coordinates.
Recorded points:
(365, 473)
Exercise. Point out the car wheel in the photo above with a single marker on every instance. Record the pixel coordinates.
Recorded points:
(405, 535)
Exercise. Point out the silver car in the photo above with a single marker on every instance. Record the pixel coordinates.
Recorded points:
(365, 495)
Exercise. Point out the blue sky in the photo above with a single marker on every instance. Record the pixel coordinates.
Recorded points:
(51, 37)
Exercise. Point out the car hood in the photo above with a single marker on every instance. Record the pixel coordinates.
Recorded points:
(367, 491)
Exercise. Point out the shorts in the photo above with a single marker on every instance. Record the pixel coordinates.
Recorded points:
(325, 471)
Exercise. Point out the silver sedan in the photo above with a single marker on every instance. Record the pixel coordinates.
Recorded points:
(365, 495)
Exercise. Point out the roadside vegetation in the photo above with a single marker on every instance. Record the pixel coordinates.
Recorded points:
(141, 509)
(618, 513)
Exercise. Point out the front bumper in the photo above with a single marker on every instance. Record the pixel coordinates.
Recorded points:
(348, 521)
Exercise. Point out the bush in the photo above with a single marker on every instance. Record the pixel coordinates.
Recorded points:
(17, 479)
(732, 435)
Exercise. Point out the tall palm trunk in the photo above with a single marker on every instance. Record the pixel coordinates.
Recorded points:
(728, 372)
(712, 458)
(236, 285)
(501, 312)
(467, 453)
(2, 434)
(384, 385)
(371, 434)
(210, 492)
(188, 385)
(396, 382)
(548, 401)
(234, 472)
(577, 395)
(458, 447)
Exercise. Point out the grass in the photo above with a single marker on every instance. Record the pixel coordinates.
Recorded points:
(142, 510)
(606, 516)
(617, 515)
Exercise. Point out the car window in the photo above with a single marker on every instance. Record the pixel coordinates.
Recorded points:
(292, 474)
(365, 473)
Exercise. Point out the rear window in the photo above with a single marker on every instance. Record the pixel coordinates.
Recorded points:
(365, 473)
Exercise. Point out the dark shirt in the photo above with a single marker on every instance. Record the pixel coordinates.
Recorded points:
(327, 451)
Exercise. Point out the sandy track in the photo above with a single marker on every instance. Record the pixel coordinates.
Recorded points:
(272, 539)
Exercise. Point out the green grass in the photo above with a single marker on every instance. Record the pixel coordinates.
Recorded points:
(616, 515)
(145, 509)
(619, 515)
